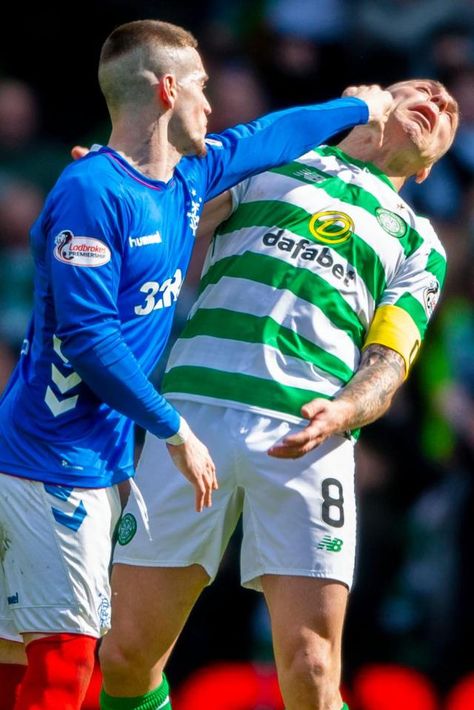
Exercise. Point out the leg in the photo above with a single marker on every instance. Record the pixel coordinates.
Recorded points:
(307, 617)
(12, 670)
(57, 582)
(59, 671)
(150, 607)
(12, 652)
(303, 562)
(160, 568)
(12, 649)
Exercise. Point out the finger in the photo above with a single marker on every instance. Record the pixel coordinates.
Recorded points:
(382, 133)
(208, 497)
(292, 451)
(200, 492)
(311, 409)
(304, 436)
(287, 452)
(78, 151)
(301, 438)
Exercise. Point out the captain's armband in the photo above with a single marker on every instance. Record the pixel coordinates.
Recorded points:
(393, 327)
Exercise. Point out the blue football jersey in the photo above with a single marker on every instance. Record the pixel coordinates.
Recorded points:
(111, 250)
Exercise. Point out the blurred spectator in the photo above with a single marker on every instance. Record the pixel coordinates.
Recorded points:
(447, 50)
(20, 204)
(297, 47)
(390, 33)
(443, 197)
(236, 95)
(7, 363)
(324, 21)
(25, 154)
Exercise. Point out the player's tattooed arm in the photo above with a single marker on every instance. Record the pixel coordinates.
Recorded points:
(365, 398)
(370, 392)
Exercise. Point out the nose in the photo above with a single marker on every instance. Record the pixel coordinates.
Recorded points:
(441, 99)
(207, 107)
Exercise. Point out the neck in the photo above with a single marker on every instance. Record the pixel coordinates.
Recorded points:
(145, 145)
(365, 146)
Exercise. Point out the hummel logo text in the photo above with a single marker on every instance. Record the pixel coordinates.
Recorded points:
(144, 241)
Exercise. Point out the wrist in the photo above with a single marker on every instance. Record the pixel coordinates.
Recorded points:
(345, 412)
(181, 436)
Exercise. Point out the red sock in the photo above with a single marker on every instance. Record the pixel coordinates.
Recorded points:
(59, 670)
(11, 675)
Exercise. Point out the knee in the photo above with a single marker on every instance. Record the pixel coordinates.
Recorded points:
(119, 656)
(313, 668)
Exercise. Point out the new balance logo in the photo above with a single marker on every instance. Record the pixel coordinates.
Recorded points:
(310, 175)
(331, 544)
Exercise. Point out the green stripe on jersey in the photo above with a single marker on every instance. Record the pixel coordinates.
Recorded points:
(412, 306)
(268, 213)
(231, 325)
(352, 195)
(237, 387)
(436, 265)
(303, 283)
(333, 151)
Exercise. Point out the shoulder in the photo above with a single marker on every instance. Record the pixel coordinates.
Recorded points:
(429, 235)
(91, 179)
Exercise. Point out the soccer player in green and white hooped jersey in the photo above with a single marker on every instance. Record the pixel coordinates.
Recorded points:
(315, 297)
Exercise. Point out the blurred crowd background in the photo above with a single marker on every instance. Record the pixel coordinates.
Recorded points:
(410, 623)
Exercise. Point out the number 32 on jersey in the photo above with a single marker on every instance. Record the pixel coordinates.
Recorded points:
(159, 295)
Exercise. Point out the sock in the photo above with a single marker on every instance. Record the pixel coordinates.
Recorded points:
(11, 675)
(59, 670)
(158, 699)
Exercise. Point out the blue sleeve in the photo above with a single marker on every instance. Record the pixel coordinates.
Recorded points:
(276, 139)
(85, 301)
(112, 372)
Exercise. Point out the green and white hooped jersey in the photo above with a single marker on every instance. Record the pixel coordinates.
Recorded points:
(292, 281)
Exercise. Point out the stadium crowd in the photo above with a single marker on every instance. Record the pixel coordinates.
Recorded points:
(410, 611)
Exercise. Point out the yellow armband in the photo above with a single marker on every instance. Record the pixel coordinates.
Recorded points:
(394, 327)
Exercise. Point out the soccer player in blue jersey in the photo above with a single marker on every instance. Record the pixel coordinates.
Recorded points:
(111, 249)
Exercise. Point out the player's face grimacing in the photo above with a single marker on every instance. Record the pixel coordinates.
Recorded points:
(428, 115)
(189, 123)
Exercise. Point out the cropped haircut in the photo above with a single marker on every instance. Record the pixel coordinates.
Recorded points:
(134, 53)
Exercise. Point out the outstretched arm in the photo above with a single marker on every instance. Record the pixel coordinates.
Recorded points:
(367, 396)
(282, 136)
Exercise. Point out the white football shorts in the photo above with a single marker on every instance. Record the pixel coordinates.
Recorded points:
(299, 515)
(55, 552)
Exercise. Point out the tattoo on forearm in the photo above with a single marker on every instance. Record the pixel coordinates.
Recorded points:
(381, 372)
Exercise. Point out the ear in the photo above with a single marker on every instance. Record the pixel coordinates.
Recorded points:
(422, 174)
(167, 90)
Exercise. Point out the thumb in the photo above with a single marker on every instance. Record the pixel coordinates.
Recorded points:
(311, 409)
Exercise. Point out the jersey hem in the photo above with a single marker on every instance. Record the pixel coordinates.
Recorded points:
(52, 479)
(283, 416)
(139, 562)
(232, 404)
(251, 581)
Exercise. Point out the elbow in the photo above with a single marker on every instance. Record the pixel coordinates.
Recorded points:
(80, 345)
